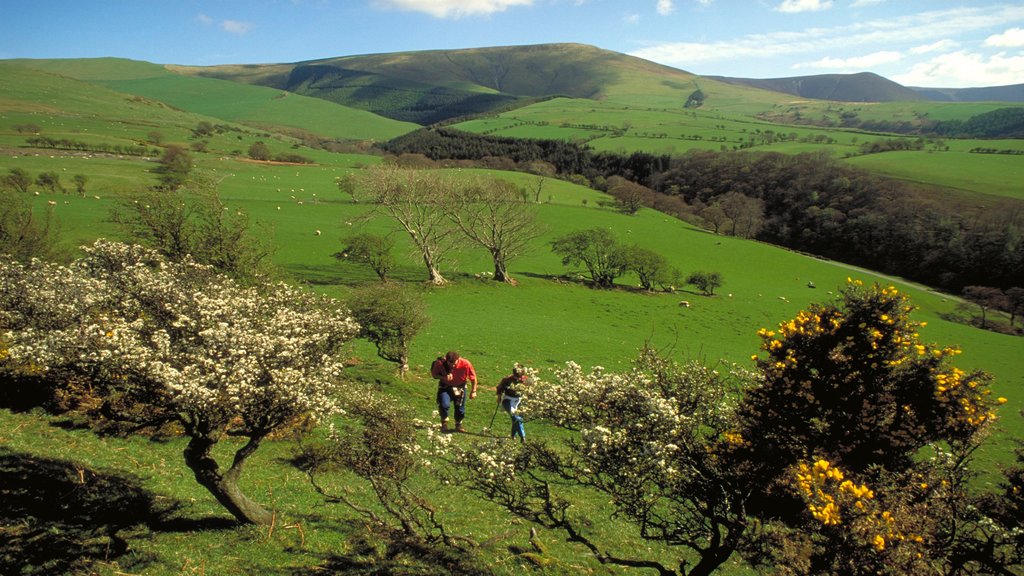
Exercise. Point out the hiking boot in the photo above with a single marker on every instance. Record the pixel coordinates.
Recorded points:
(459, 427)
(444, 425)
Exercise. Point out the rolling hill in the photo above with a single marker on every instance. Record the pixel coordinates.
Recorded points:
(432, 86)
(1011, 93)
(862, 87)
(231, 101)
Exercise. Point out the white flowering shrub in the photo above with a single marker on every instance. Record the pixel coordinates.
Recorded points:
(165, 340)
(645, 439)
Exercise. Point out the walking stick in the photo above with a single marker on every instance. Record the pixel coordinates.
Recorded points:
(491, 426)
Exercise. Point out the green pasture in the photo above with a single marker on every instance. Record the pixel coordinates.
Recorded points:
(229, 101)
(991, 174)
(548, 319)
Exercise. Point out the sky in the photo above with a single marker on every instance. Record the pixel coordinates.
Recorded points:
(933, 43)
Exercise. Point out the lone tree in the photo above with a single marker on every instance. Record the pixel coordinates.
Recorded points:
(18, 179)
(175, 167)
(651, 268)
(259, 151)
(629, 196)
(24, 235)
(163, 342)
(419, 202)
(985, 297)
(1014, 302)
(390, 316)
(198, 225)
(706, 282)
(50, 181)
(493, 214)
(373, 250)
(80, 181)
(597, 250)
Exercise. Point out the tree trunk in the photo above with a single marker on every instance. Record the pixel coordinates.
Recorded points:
(224, 487)
(500, 271)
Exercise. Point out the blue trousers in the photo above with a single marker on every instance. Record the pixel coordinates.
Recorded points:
(446, 400)
(510, 404)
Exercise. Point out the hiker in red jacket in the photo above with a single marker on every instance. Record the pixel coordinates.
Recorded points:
(452, 373)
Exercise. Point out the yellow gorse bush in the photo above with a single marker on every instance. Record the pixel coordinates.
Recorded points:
(829, 494)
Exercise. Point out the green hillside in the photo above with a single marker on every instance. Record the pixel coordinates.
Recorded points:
(229, 101)
(548, 319)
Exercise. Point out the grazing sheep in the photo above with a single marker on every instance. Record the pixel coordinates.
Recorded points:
(684, 303)
(317, 232)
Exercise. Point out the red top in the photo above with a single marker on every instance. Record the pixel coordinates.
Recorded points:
(461, 372)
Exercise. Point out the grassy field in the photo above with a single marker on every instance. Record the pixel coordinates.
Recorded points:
(543, 321)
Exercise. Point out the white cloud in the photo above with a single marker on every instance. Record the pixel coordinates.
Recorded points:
(1012, 38)
(793, 6)
(453, 8)
(204, 19)
(964, 69)
(864, 3)
(941, 46)
(856, 63)
(235, 26)
(665, 7)
(920, 28)
(631, 19)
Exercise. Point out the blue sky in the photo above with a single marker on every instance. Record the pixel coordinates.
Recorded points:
(935, 43)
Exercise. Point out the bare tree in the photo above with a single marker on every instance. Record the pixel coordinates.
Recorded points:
(746, 213)
(419, 201)
(493, 214)
(629, 196)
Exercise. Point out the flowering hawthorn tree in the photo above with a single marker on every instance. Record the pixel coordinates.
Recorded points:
(642, 439)
(175, 342)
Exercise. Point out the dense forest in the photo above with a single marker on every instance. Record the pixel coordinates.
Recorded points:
(808, 202)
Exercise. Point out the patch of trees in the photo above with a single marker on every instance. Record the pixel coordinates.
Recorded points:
(19, 180)
(814, 204)
(604, 259)
(1000, 123)
(101, 147)
(260, 151)
(440, 213)
(807, 202)
(891, 145)
(695, 100)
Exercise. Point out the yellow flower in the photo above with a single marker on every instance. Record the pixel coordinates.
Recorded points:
(1001, 400)
(878, 542)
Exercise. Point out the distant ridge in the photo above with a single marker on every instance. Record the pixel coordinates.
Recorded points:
(435, 85)
(870, 87)
(860, 87)
(1010, 93)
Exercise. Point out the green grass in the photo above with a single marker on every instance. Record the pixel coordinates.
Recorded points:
(227, 100)
(995, 174)
(543, 322)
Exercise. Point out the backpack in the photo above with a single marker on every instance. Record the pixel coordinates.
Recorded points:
(439, 369)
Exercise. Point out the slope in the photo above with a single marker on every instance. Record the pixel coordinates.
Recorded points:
(434, 85)
(231, 101)
(861, 87)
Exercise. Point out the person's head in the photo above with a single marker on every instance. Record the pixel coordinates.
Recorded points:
(518, 370)
(451, 357)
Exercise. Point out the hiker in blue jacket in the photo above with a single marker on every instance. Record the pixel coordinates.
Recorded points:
(509, 391)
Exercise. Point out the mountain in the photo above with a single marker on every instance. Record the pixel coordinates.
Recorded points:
(861, 87)
(431, 86)
(1011, 93)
